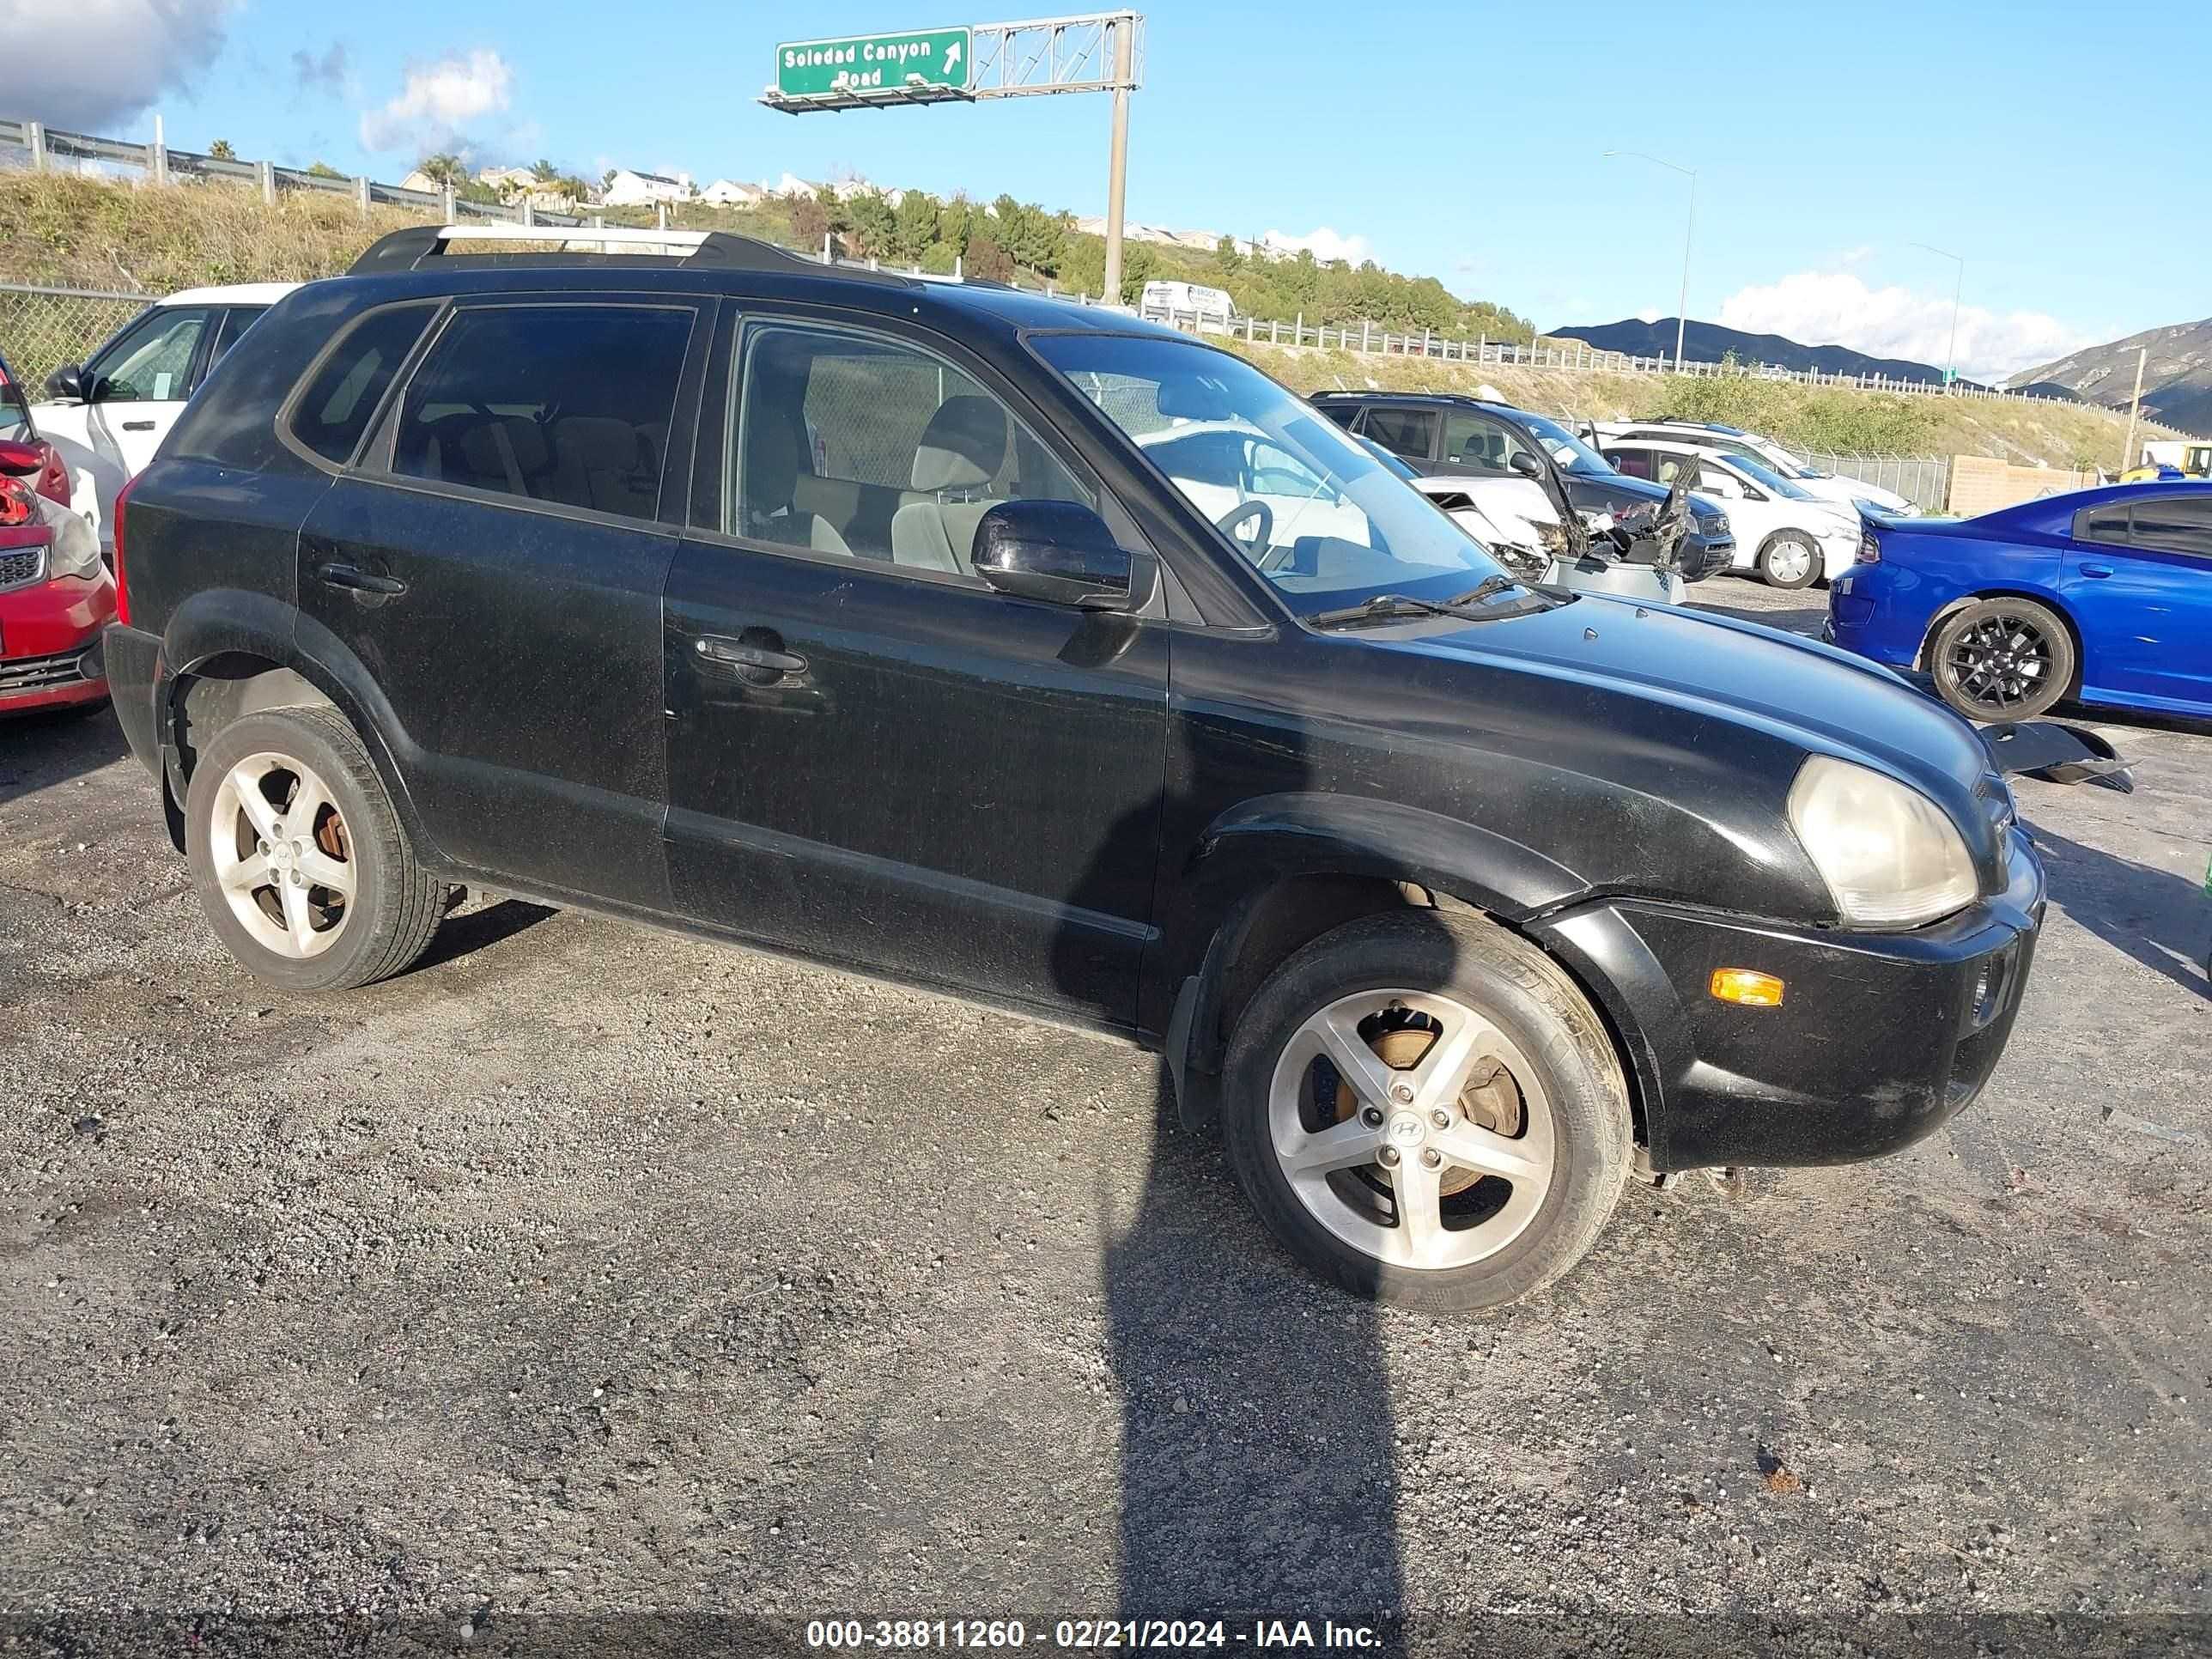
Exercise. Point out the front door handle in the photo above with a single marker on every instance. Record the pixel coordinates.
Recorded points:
(354, 580)
(137, 426)
(2099, 571)
(744, 654)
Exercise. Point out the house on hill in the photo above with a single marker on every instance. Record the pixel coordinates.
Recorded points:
(630, 188)
(729, 193)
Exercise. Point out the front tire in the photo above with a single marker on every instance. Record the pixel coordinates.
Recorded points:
(2002, 660)
(1424, 1109)
(301, 863)
(1789, 560)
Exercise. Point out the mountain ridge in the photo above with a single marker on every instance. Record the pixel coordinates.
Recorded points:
(2176, 378)
(1708, 342)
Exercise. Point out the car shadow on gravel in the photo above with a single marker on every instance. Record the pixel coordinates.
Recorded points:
(465, 932)
(38, 751)
(2152, 917)
(1257, 1474)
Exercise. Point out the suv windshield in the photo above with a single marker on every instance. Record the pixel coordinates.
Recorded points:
(1571, 453)
(1318, 515)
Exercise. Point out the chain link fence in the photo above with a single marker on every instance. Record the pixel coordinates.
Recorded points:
(1923, 480)
(43, 328)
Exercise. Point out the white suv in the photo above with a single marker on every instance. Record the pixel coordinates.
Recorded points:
(1783, 531)
(1733, 440)
(108, 414)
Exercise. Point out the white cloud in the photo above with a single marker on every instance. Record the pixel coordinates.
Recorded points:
(1325, 244)
(439, 102)
(94, 65)
(1836, 308)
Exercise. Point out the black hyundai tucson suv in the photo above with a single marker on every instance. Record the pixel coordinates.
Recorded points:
(1451, 432)
(896, 623)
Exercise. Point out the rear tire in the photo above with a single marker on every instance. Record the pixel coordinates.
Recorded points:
(331, 899)
(1789, 560)
(2002, 660)
(1525, 1146)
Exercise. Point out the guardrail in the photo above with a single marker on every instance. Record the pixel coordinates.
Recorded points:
(49, 147)
(1572, 355)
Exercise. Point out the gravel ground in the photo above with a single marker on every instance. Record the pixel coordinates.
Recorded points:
(586, 1271)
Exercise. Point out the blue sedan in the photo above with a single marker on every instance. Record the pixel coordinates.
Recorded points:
(2104, 595)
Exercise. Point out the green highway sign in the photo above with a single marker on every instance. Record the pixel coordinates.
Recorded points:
(860, 64)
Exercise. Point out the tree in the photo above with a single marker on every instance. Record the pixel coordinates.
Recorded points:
(986, 259)
(444, 168)
(810, 221)
(220, 150)
(572, 187)
(914, 226)
(1139, 263)
(874, 223)
(607, 178)
(1227, 258)
(544, 172)
(324, 170)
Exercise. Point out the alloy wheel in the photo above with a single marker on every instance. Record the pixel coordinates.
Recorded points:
(1789, 562)
(283, 855)
(1412, 1127)
(2000, 663)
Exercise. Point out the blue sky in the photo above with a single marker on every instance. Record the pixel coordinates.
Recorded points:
(2061, 154)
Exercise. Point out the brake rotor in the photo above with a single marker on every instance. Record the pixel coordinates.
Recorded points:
(1492, 1101)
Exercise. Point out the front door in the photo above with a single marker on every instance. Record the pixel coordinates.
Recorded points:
(873, 757)
(136, 386)
(495, 560)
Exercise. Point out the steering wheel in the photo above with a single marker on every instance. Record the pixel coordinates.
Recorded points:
(1227, 523)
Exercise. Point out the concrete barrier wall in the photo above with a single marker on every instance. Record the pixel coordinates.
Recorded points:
(1980, 484)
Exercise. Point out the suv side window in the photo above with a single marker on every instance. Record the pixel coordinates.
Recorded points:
(153, 359)
(1476, 440)
(1630, 462)
(2173, 524)
(863, 447)
(1345, 415)
(568, 405)
(1408, 432)
(333, 409)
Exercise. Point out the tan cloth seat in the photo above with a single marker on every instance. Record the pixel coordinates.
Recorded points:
(960, 452)
(770, 482)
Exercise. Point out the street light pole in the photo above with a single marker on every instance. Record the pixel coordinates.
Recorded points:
(1689, 229)
(1958, 292)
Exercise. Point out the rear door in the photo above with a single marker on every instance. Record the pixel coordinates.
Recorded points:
(873, 757)
(1407, 431)
(494, 561)
(2139, 578)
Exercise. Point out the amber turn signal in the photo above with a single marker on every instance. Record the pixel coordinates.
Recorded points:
(1748, 987)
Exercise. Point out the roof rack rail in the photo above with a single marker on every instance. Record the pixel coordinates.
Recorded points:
(721, 250)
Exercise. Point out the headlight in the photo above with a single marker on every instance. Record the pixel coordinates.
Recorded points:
(75, 550)
(1889, 855)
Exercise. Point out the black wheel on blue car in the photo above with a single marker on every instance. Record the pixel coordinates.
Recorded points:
(2004, 658)
(1425, 1108)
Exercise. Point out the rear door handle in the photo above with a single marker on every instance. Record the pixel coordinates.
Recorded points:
(2100, 571)
(743, 654)
(355, 580)
(137, 426)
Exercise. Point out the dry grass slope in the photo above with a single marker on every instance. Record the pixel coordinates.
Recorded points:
(69, 231)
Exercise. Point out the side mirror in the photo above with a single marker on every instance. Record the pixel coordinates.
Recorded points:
(21, 460)
(1058, 551)
(67, 384)
(1719, 484)
(1527, 466)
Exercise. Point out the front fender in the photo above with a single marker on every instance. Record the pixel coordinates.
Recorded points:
(1253, 848)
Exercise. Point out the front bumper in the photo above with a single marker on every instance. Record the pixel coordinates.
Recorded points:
(1879, 1040)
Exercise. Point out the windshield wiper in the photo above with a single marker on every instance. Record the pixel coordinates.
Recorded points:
(1483, 589)
(1383, 607)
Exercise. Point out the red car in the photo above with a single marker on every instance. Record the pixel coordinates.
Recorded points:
(56, 595)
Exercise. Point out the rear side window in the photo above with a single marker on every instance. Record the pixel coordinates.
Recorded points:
(2175, 523)
(568, 405)
(1403, 431)
(335, 408)
(235, 322)
(1345, 415)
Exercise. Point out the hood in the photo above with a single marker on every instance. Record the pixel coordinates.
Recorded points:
(1807, 695)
